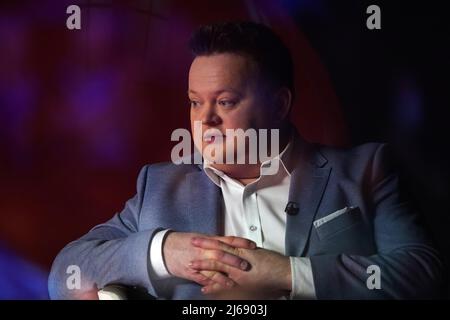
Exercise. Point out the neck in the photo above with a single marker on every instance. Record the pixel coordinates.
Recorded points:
(247, 181)
(247, 173)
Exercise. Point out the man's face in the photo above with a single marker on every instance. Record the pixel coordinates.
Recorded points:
(226, 93)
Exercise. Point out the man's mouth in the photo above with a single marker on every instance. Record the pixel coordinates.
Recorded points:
(211, 138)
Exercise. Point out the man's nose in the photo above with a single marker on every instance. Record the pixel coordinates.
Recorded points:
(210, 116)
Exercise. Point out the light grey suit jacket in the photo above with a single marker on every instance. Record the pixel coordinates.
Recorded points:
(383, 229)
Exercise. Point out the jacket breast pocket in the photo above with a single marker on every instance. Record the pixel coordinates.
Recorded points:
(337, 222)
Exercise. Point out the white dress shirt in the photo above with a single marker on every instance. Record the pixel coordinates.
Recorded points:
(254, 211)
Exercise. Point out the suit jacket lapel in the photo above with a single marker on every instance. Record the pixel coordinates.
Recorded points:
(205, 204)
(308, 182)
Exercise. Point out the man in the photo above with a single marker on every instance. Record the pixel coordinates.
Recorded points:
(316, 229)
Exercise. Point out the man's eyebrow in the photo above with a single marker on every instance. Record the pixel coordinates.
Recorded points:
(218, 91)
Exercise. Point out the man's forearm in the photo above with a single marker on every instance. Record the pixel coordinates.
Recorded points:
(101, 262)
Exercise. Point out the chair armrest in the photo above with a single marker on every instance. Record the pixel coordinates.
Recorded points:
(113, 292)
(121, 292)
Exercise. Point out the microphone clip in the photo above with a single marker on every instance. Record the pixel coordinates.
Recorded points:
(291, 208)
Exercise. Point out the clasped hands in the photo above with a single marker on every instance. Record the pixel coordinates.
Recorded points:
(227, 267)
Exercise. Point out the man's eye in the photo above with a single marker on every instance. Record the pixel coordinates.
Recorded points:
(194, 103)
(227, 103)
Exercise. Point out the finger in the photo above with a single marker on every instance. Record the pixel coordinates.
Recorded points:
(237, 242)
(201, 279)
(221, 252)
(212, 288)
(210, 265)
(228, 259)
(221, 280)
(206, 273)
(212, 244)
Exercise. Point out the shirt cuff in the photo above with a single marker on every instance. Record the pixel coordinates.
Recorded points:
(302, 279)
(156, 256)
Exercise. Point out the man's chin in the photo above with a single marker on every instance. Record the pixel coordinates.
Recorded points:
(238, 171)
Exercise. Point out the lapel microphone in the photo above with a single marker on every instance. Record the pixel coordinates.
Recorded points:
(291, 208)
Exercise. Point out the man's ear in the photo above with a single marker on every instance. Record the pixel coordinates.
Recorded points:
(283, 103)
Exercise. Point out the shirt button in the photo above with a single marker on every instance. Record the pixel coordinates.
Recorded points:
(253, 228)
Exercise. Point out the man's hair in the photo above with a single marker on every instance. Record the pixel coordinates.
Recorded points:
(253, 40)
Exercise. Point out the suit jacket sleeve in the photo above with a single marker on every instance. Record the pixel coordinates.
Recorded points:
(115, 252)
(410, 268)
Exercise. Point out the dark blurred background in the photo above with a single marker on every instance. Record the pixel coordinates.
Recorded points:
(81, 111)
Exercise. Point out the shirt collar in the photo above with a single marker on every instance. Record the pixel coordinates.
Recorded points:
(283, 159)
